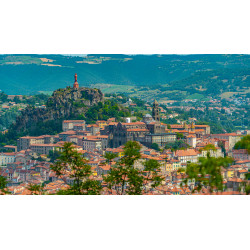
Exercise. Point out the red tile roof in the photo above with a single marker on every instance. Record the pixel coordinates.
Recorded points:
(188, 152)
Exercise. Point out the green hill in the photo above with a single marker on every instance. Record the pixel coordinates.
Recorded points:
(207, 75)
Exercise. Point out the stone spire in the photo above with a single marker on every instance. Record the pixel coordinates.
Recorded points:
(76, 85)
(155, 102)
(185, 126)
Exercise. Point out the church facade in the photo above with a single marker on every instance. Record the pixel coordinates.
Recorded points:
(149, 130)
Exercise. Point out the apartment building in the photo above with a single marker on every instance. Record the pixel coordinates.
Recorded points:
(25, 142)
(76, 139)
(104, 140)
(188, 155)
(161, 139)
(69, 124)
(213, 153)
(93, 129)
(232, 138)
(6, 158)
(240, 154)
(43, 148)
(92, 144)
(191, 140)
(64, 135)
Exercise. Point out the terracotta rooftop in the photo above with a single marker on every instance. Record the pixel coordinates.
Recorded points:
(188, 152)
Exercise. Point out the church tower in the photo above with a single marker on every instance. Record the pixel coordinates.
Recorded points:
(155, 111)
(185, 126)
(76, 85)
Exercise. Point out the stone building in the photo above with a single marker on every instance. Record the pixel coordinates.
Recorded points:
(148, 119)
(240, 154)
(156, 127)
(232, 138)
(43, 148)
(149, 130)
(25, 142)
(120, 133)
(161, 139)
(93, 129)
(198, 130)
(154, 132)
(92, 144)
(6, 158)
(73, 125)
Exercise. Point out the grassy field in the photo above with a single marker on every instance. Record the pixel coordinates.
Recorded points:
(112, 88)
(101, 59)
(226, 95)
(139, 92)
(21, 60)
(195, 96)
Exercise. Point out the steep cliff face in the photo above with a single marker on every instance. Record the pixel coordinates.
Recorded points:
(63, 104)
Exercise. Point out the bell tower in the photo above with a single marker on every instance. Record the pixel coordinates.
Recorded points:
(155, 111)
(76, 85)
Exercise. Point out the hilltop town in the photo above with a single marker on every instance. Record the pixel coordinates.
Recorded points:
(173, 146)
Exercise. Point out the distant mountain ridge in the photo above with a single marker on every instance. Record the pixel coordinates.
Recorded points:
(202, 74)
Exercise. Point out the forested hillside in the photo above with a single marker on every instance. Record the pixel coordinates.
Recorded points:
(191, 74)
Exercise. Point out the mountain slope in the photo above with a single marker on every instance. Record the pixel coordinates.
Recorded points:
(205, 74)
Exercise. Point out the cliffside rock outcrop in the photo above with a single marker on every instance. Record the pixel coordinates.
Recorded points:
(63, 104)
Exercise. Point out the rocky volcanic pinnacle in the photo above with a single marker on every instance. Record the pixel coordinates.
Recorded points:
(63, 104)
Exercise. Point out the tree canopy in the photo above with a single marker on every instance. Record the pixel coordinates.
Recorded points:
(207, 173)
(244, 143)
(125, 178)
(71, 163)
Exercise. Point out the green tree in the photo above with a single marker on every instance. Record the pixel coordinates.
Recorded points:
(244, 143)
(3, 185)
(152, 173)
(125, 178)
(155, 146)
(53, 155)
(221, 145)
(246, 184)
(103, 111)
(72, 163)
(16, 100)
(109, 156)
(36, 189)
(210, 147)
(3, 97)
(178, 144)
(207, 173)
(179, 135)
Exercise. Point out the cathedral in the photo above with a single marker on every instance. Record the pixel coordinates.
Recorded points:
(120, 133)
(150, 130)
